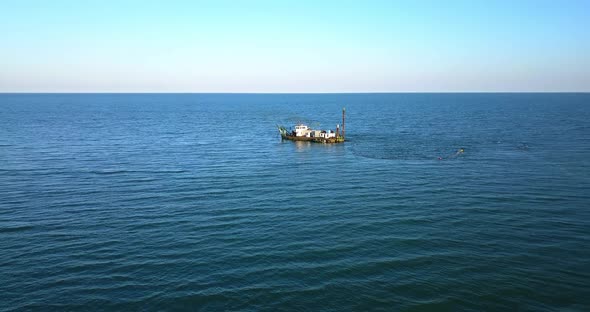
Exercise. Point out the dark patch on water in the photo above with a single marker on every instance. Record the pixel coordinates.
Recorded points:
(15, 228)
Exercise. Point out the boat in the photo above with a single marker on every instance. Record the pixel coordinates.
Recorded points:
(302, 132)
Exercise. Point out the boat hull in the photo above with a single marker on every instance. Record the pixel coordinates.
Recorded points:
(311, 139)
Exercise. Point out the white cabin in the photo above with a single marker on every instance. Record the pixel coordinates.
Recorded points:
(315, 133)
(327, 134)
(302, 130)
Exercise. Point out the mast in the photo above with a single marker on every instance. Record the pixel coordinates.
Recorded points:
(343, 124)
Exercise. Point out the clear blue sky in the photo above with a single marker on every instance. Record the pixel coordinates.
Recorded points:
(294, 46)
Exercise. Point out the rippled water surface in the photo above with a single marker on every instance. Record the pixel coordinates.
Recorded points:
(157, 202)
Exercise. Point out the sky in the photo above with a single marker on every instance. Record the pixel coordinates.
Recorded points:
(304, 46)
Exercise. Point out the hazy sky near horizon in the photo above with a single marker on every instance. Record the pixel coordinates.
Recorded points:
(294, 46)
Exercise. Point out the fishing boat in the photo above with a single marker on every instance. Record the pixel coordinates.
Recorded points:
(302, 132)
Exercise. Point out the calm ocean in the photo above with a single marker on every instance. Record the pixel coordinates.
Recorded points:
(191, 201)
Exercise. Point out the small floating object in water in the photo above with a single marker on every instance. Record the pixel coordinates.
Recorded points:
(523, 147)
(459, 152)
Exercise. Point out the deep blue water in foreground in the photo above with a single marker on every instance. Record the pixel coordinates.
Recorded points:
(171, 201)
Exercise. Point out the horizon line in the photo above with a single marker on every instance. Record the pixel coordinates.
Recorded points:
(346, 92)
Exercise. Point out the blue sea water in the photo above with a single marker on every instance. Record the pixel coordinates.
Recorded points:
(192, 201)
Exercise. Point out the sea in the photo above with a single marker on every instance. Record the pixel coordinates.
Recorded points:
(157, 202)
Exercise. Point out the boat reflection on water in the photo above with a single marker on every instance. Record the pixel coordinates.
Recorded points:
(307, 147)
(302, 145)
